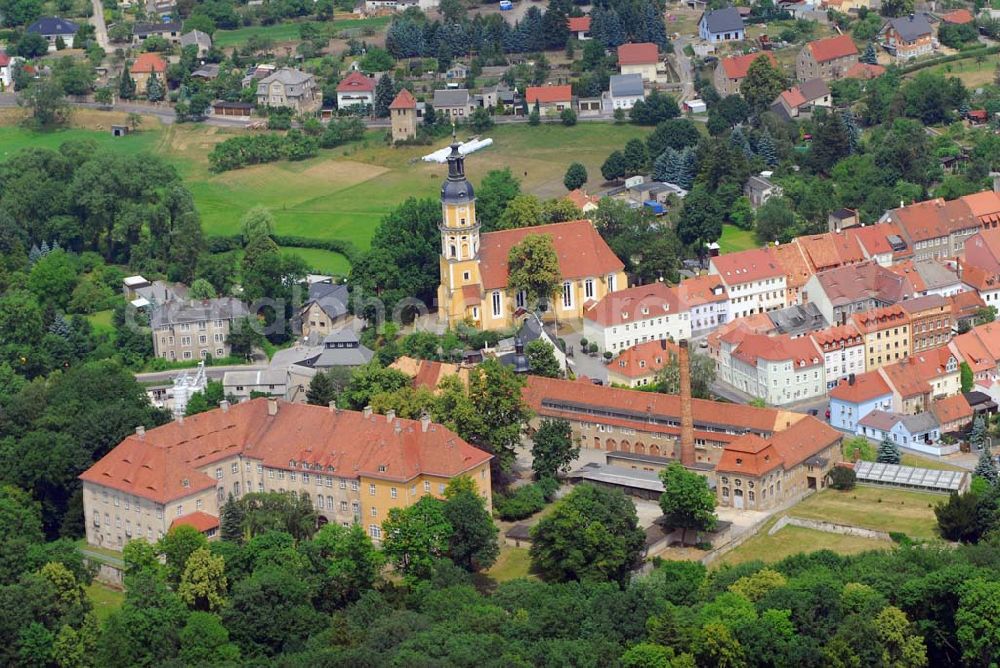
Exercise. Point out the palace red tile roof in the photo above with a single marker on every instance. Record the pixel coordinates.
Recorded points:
(755, 264)
(404, 100)
(832, 48)
(356, 82)
(864, 71)
(906, 379)
(548, 94)
(200, 520)
(825, 251)
(875, 239)
(736, 67)
(802, 352)
(638, 303)
(581, 251)
(794, 264)
(934, 218)
(984, 205)
(643, 53)
(966, 304)
(866, 387)
(167, 462)
(578, 23)
(958, 16)
(148, 63)
(973, 351)
(643, 359)
(878, 319)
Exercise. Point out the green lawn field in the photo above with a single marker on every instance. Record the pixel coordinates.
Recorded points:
(290, 32)
(322, 261)
(879, 508)
(734, 239)
(101, 321)
(793, 540)
(105, 599)
(13, 139)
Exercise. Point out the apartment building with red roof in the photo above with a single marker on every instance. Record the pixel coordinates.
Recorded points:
(843, 350)
(637, 366)
(731, 71)
(828, 58)
(636, 315)
(935, 228)
(795, 265)
(757, 473)
(931, 322)
(856, 396)
(840, 292)
(882, 243)
(921, 378)
(982, 250)
(778, 369)
(886, 332)
(754, 280)
(980, 349)
(706, 299)
(355, 466)
(830, 250)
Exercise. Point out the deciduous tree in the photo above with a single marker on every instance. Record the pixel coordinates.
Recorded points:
(553, 448)
(687, 502)
(415, 537)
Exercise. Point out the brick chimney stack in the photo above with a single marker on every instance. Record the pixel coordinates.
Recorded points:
(687, 455)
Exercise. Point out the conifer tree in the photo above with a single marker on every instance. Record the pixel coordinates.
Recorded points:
(739, 141)
(986, 467)
(888, 452)
(35, 254)
(126, 85)
(60, 327)
(154, 88)
(665, 166)
(687, 168)
(231, 521)
(869, 57)
(321, 390)
(853, 130)
(385, 92)
(767, 150)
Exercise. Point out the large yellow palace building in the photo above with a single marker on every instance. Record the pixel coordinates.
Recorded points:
(474, 267)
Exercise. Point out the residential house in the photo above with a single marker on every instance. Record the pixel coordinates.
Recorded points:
(551, 100)
(403, 116)
(6, 72)
(721, 25)
(641, 58)
(931, 322)
(246, 385)
(144, 294)
(707, 301)
(965, 307)
(454, 103)
(827, 59)
(206, 72)
(882, 243)
(759, 189)
(637, 366)
(984, 282)
(919, 432)
(830, 250)
(199, 39)
(354, 467)
(53, 28)
(581, 200)
(458, 71)
(354, 90)
(983, 250)
(636, 315)
(474, 266)
(856, 397)
(802, 99)
(753, 279)
(853, 289)
(985, 205)
(954, 414)
(864, 71)
(579, 27)
(931, 277)
(764, 474)
(144, 68)
(797, 271)
(843, 350)
(887, 335)
(778, 369)
(428, 374)
(190, 330)
(341, 348)
(935, 228)
(292, 89)
(979, 348)
(731, 71)
(324, 311)
(917, 380)
(907, 37)
(734, 331)
(625, 90)
(845, 6)
(169, 31)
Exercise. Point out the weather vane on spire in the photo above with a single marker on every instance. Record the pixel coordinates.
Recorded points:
(454, 131)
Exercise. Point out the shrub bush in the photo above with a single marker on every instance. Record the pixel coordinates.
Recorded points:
(524, 502)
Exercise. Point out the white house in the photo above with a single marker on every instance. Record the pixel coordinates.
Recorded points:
(754, 281)
(355, 89)
(722, 25)
(843, 349)
(625, 90)
(706, 298)
(778, 369)
(636, 315)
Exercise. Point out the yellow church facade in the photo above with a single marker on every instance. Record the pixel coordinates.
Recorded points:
(474, 269)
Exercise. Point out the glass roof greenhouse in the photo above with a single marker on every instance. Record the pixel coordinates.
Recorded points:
(909, 476)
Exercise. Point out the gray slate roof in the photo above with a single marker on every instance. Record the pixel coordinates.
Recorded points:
(178, 312)
(331, 298)
(920, 423)
(197, 38)
(294, 81)
(814, 89)
(723, 20)
(53, 25)
(207, 71)
(626, 85)
(453, 97)
(911, 27)
(142, 29)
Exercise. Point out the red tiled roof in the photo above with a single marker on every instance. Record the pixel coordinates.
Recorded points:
(404, 100)
(643, 359)
(867, 386)
(750, 455)
(984, 205)
(951, 409)
(880, 318)
(849, 284)
(934, 218)
(578, 23)
(4, 59)
(864, 71)
(972, 350)
(166, 463)
(875, 239)
(793, 263)
(471, 295)
(966, 303)
(644, 53)
(638, 303)
(149, 62)
(825, 251)
(736, 67)
(356, 82)
(200, 520)
(801, 351)
(832, 48)
(755, 456)
(548, 94)
(581, 251)
(581, 199)
(958, 16)
(906, 378)
(701, 289)
(793, 97)
(747, 266)
(833, 337)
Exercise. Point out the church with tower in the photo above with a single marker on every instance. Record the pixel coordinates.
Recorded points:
(474, 269)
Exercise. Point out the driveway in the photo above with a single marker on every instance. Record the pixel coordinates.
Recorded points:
(582, 363)
(100, 28)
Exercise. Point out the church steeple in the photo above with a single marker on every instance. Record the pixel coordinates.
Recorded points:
(456, 189)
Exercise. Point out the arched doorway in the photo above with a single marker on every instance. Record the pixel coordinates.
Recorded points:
(738, 499)
(640, 448)
(625, 446)
(654, 450)
(612, 446)
(321, 521)
(597, 442)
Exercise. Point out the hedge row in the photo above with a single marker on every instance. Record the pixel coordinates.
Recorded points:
(226, 243)
(961, 55)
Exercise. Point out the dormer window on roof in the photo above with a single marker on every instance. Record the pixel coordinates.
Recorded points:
(381, 468)
(291, 463)
(185, 483)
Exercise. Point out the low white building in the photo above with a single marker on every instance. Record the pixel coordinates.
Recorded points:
(625, 90)
(778, 369)
(240, 385)
(843, 350)
(636, 315)
(754, 281)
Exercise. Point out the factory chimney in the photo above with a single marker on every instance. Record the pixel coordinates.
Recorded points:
(687, 455)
